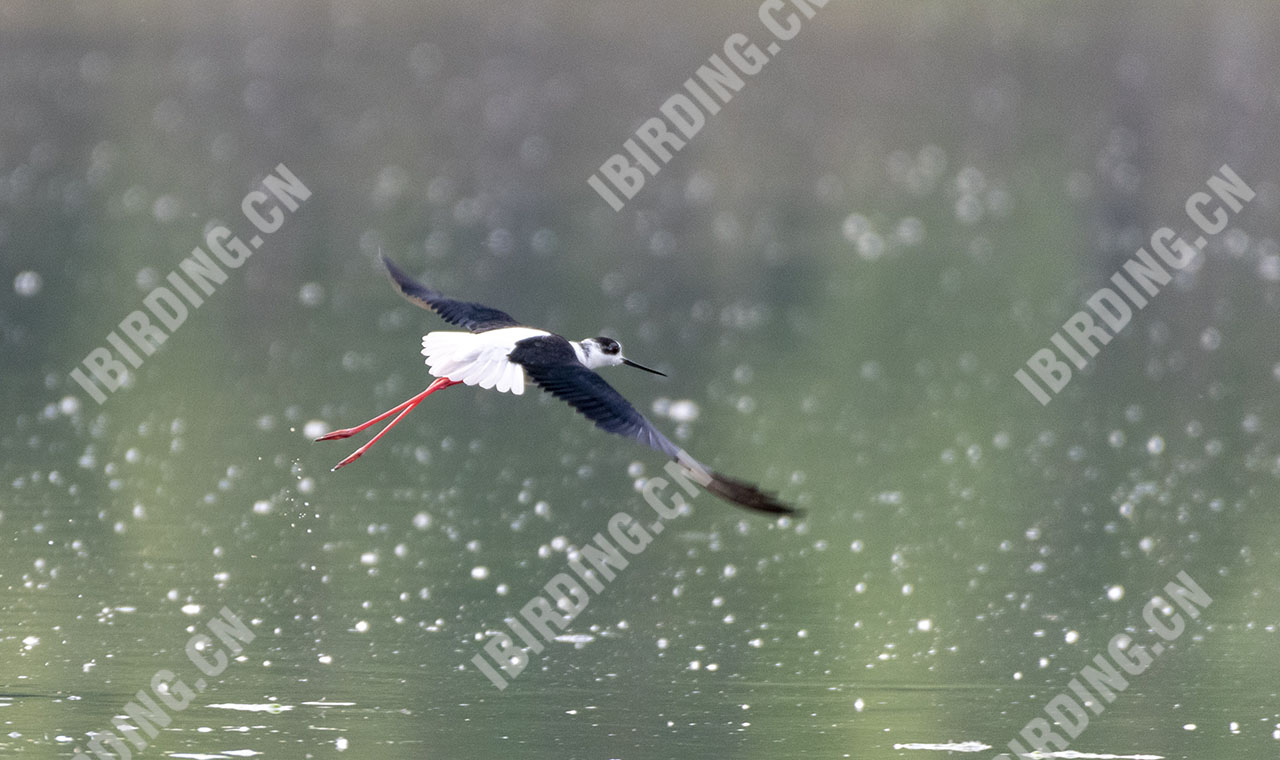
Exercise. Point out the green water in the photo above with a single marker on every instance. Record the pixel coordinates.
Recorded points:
(840, 272)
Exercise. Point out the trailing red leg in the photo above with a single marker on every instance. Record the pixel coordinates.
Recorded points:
(399, 410)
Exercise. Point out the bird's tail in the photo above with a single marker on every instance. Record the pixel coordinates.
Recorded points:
(739, 492)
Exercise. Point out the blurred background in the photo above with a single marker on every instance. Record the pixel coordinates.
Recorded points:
(840, 274)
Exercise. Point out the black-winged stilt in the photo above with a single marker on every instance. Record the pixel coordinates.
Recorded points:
(499, 352)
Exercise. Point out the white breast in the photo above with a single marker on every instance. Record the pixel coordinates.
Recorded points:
(478, 358)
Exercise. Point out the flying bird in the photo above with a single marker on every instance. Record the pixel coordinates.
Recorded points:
(500, 353)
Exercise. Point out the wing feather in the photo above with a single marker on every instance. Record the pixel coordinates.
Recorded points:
(551, 363)
(472, 316)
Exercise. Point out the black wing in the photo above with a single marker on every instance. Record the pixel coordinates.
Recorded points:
(552, 364)
(472, 316)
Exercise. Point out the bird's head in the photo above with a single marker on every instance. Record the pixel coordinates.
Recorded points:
(607, 352)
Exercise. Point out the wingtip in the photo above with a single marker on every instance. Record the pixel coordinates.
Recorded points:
(748, 496)
(397, 274)
(406, 285)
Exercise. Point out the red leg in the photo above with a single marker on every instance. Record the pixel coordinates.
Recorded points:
(402, 409)
(336, 435)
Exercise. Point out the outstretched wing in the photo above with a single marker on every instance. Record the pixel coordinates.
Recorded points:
(551, 363)
(472, 316)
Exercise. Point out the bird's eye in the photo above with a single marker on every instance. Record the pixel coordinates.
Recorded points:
(609, 345)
